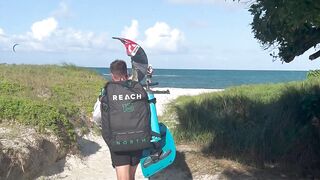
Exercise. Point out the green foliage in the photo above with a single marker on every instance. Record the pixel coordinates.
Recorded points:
(49, 97)
(291, 25)
(256, 124)
(313, 74)
(10, 88)
(37, 114)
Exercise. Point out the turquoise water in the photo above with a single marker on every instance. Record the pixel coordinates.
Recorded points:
(216, 79)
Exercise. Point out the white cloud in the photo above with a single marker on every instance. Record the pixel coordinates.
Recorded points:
(76, 40)
(44, 28)
(131, 32)
(46, 37)
(68, 40)
(158, 38)
(162, 37)
(2, 32)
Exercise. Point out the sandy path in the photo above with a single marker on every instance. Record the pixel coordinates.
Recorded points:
(95, 162)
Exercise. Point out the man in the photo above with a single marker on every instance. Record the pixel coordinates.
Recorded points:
(125, 162)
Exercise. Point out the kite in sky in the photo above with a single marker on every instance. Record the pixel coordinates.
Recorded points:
(14, 46)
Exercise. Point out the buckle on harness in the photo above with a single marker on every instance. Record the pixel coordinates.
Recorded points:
(154, 158)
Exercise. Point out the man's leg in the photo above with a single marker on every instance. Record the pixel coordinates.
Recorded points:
(135, 159)
(123, 172)
(132, 171)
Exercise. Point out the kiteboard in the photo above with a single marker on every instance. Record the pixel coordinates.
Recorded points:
(163, 151)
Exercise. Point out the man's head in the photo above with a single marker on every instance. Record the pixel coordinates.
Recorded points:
(118, 70)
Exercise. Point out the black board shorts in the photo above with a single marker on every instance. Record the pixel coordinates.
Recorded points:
(131, 158)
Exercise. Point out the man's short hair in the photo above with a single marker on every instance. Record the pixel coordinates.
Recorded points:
(119, 68)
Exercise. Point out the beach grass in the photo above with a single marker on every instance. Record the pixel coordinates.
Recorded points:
(255, 124)
(49, 97)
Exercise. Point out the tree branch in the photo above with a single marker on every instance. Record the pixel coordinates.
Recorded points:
(314, 55)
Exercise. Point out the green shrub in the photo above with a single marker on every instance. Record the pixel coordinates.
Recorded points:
(56, 98)
(37, 114)
(255, 124)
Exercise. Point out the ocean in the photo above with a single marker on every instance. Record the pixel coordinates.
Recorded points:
(215, 79)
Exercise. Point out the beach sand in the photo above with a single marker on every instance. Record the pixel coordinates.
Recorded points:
(163, 99)
(95, 163)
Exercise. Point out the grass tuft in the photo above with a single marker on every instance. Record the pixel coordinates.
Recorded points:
(256, 124)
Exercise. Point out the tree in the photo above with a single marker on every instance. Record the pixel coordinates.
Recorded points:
(290, 26)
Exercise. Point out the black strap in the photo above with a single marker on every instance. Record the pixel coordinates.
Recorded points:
(154, 100)
(126, 83)
(104, 106)
(155, 134)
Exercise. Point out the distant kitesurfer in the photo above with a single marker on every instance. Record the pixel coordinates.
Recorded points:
(14, 47)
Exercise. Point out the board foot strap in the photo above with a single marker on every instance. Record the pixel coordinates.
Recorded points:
(154, 158)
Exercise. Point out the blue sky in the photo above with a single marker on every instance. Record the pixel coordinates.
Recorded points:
(192, 34)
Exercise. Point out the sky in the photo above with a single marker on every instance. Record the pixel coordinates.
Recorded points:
(175, 34)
